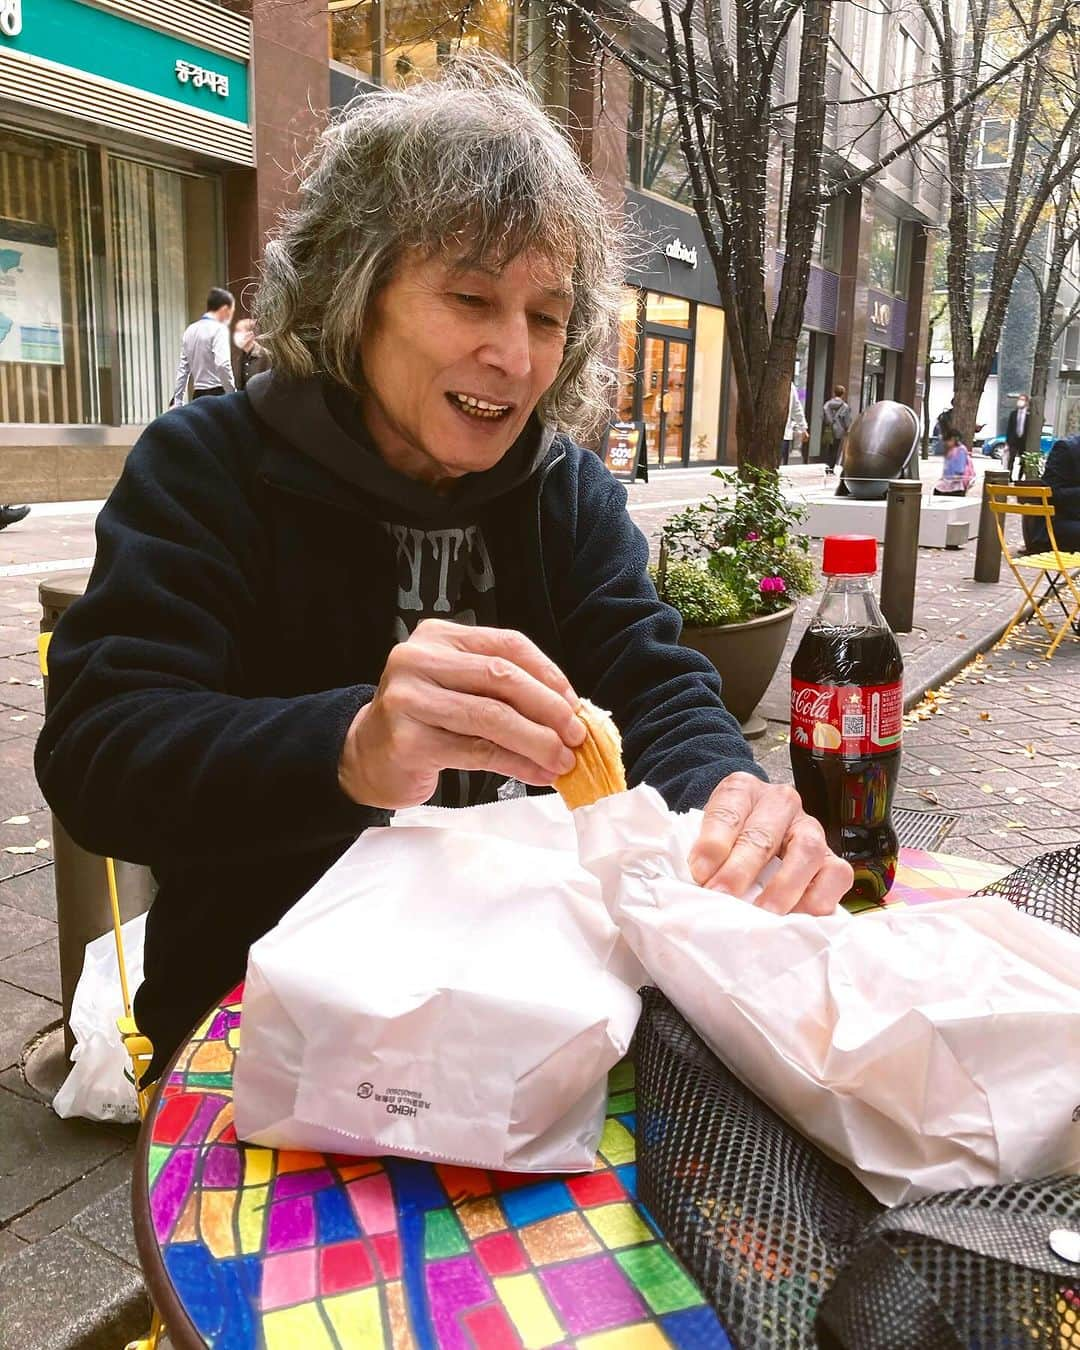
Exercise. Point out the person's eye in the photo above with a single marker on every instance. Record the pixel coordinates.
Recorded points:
(469, 301)
(551, 321)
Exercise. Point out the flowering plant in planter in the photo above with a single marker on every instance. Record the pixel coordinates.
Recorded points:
(735, 557)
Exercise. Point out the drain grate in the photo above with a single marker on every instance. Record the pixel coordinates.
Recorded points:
(922, 829)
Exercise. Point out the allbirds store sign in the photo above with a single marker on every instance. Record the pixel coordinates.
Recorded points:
(681, 253)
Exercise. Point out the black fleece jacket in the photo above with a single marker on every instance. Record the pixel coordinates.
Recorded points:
(240, 612)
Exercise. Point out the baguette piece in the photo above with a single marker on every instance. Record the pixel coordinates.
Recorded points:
(599, 769)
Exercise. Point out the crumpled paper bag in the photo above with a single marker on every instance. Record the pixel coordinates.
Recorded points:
(926, 1049)
(452, 989)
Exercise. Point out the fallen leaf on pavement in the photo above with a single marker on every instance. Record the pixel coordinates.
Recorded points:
(42, 843)
(984, 717)
(17, 820)
(986, 787)
(19, 848)
(928, 796)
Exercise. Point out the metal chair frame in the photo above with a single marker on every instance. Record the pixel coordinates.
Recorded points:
(139, 1048)
(1059, 569)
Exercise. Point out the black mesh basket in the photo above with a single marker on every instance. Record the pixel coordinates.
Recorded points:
(793, 1252)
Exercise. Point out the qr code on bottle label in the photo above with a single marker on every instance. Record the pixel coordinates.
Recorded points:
(853, 725)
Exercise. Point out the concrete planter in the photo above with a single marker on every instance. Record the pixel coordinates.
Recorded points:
(746, 656)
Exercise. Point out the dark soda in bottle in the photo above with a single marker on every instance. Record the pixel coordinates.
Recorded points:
(847, 705)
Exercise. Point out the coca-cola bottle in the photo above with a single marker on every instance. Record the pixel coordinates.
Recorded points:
(847, 705)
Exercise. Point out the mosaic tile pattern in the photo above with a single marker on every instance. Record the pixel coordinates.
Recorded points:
(285, 1250)
(300, 1251)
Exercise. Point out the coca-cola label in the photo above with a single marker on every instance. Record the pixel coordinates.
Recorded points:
(847, 719)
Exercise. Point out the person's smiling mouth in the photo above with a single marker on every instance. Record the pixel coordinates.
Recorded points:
(479, 409)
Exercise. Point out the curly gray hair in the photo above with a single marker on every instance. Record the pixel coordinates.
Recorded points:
(469, 165)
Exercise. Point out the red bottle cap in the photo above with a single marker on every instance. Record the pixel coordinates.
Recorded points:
(849, 555)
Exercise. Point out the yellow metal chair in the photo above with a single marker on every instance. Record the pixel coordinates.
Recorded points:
(139, 1048)
(1058, 569)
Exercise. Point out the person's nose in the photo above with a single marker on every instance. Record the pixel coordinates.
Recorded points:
(508, 347)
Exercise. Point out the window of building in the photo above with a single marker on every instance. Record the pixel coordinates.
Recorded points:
(48, 332)
(167, 253)
(828, 237)
(884, 241)
(418, 36)
(995, 142)
(655, 160)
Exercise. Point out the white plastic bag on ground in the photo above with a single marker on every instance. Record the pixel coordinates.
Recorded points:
(99, 1086)
(927, 1049)
(451, 989)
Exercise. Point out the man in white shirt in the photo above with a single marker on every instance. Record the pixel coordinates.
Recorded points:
(205, 357)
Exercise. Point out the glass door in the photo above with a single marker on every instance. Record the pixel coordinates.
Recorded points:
(666, 366)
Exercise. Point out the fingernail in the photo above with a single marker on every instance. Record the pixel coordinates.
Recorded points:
(567, 760)
(577, 732)
(571, 698)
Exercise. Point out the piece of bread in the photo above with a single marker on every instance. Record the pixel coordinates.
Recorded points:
(599, 769)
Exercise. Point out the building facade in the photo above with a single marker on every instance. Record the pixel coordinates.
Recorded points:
(141, 153)
(147, 147)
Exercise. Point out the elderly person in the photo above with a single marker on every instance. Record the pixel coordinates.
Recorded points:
(385, 573)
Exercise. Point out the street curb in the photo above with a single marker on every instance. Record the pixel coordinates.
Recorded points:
(955, 664)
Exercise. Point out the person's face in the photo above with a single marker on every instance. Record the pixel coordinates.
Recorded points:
(245, 335)
(1022, 402)
(455, 359)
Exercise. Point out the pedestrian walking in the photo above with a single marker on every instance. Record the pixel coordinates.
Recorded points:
(205, 360)
(11, 515)
(796, 422)
(1016, 436)
(837, 418)
(942, 427)
(252, 358)
(958, 471)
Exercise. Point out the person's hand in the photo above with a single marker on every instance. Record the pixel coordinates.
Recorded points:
(806, 438)
(746, 823)
(454, 697)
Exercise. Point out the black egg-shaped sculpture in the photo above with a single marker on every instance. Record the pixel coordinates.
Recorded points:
(877, 448)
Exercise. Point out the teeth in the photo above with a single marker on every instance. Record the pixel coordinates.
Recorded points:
(476, 407)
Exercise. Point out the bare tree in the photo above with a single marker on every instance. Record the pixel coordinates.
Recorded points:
(994, 213)
(721, 80)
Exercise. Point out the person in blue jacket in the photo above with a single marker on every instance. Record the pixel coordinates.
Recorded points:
(384, 573)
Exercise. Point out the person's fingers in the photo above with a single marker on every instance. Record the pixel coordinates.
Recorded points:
(803, 853)
(726, 811)
(759, 839)
(473, 753)
(494, 677)
(507, 643)
(480, 719)
(833, 881)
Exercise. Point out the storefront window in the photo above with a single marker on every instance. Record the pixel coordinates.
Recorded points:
(629, 334)
(708, 385)
(655, 158)
(668, 310)
(167, 253)
(48, 356)
(422, 34)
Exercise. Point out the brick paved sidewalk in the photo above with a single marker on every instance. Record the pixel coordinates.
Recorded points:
(68, 1273)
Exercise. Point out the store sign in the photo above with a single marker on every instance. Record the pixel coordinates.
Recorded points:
(681, 253)
(31, 327)
(881, 314)
(10, 18)
(108, 45)
(201, 78)
(623, 450)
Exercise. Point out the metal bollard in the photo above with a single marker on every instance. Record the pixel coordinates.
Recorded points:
(988, 545)
(82, 896)
(900, 555)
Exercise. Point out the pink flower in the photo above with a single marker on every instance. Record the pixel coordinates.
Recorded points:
(752, 536)
(772, 586)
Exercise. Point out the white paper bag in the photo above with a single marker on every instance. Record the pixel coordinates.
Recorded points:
(100, 1085)
(927, 1049)
(453, 989)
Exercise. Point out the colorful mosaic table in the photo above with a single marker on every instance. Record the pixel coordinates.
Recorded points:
(282, 1250)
